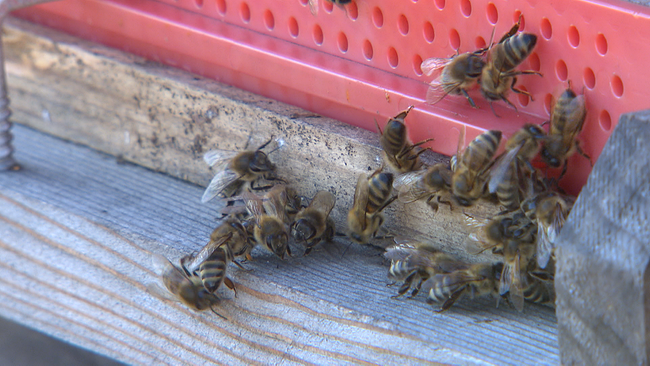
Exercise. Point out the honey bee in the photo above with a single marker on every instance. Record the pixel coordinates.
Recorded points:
(430, 183)
(476, 280)
(371, 196)
(550, 210)
(398, 151)
(313, 5)
(236, 168)
(414, 262)
(499, 75)
(182, 288)
(459, 73)
(270, 228)
(313, 224)
(567, 118)
(511, 174)
(490, 233)
(470, 167)
(516, 254)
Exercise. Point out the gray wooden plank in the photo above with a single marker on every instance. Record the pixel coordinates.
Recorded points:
(86, 226)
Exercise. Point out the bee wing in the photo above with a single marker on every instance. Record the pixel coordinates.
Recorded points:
(361, 198)
(544, 246)
(275, 202)
(506, 279)
(454, 282)
(221, 180)
(502, 167)
(206, 252)
(408, 188)
(159, 292)
(254, 205)
(400, 251)
(461, 145)
(313, 7)
(216, 158)
(475, 222)
(438, 90)
(171, 276)
(516, 294)
(431, 65)
(323, 201)
(575, 124)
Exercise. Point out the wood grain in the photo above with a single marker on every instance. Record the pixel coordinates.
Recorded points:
(77, 226)
(77, 233)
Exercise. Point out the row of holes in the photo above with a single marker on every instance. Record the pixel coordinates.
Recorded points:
(573, 37)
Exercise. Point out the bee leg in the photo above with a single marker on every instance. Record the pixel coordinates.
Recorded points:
(433, 205)
(230, 285)
(564, 170)
(378, 128)
(493, 111)
(266, 143)
(469, 99)
(440, 200)
(221, 316)
(242, 267)
(416, 289)
(583, 153)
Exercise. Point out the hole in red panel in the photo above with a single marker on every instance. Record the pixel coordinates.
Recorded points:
(533, 61)
(269, 20)
(561, 70)
(304, 2)
(353, 10)
(548, 103)
(417, 61)
(367, 50)
(546, 29)
(393, 59)
(377, 17)
(343, 42)
(492, 13)
(573, 36)
(466, 7)
(454, 39)
(293, 27)
(480, 42)
(515, 19)
(440, 4)
(328, 6)
(245, 12)
(601, 44)
(221, 7)
(605, 120)
(199, 3)
(617, 86)
(523, 98)
(429, 34)
(589, 78)
(318, 35)
(403, 25)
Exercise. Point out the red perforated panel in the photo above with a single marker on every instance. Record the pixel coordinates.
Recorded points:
(363, 63)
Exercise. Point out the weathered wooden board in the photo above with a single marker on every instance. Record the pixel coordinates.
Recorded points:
(83, 226)
(165, 119)
(76, 234)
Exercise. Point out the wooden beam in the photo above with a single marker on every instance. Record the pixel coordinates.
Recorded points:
(78, 229)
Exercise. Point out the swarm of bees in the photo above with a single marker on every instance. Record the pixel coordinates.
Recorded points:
(522, 235)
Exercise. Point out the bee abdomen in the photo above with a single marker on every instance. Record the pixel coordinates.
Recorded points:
(516, 49)
(213, 271)
(380, 188)
(394, 138)
(481, 150)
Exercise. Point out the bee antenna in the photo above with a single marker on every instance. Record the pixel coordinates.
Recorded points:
(346, 249)
(214, 311)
